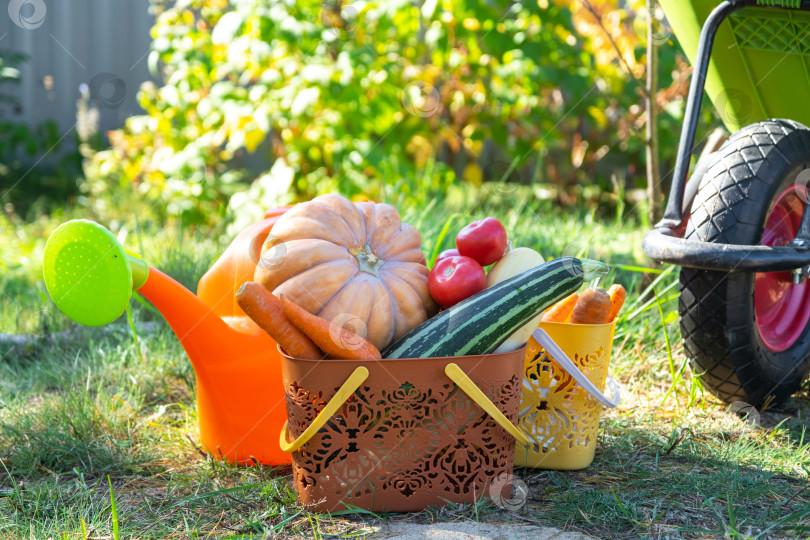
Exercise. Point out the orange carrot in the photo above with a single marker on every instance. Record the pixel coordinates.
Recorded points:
(561, 311)
(334, 340)
(267, 312)
(617, 295)
(593, 307)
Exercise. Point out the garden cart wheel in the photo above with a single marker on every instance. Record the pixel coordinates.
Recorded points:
(747, 334)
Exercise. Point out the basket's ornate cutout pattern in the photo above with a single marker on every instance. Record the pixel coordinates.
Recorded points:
(556, 413)
(401, 447)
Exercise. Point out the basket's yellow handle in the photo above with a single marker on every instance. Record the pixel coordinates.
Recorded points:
(469, 387)
(344, 392)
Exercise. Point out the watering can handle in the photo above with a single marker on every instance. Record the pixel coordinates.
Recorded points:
(360, 374)
(545, 341)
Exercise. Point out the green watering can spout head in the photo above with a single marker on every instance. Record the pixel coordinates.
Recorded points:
(89, 275)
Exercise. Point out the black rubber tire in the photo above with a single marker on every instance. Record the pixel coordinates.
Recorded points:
(718, 322)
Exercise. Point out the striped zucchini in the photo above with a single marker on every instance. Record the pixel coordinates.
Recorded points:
(485, 320)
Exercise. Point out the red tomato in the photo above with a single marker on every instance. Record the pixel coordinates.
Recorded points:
(484, 241)
(446, 253)
(454, 279)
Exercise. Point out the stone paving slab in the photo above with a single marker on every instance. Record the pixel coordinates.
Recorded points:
(470, 530)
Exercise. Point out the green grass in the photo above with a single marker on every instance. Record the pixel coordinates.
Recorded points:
(98, 435)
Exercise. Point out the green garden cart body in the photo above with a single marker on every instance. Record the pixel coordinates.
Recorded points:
(738, 226)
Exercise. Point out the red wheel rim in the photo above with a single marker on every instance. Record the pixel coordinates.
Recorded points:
(782, 309)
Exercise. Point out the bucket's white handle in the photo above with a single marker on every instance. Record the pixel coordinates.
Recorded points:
(545, 341)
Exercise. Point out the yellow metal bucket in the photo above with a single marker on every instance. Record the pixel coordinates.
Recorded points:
(565, 372)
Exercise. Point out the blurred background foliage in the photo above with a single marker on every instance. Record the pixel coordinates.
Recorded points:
(56, 164)
(264, 102)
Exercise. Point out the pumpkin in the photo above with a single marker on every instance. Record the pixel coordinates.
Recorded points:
(355, 264)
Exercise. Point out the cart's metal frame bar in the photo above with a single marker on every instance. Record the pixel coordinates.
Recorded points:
(665, 242)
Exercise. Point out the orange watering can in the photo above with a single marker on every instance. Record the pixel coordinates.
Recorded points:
(240, 395)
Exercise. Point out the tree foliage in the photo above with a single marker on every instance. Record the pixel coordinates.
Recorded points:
(304, 96)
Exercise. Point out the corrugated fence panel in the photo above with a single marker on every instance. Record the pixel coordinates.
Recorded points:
(101, 43)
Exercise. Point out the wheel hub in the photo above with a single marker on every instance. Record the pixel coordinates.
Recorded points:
(781, 305)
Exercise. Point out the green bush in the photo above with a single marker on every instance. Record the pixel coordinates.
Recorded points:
(371, 99)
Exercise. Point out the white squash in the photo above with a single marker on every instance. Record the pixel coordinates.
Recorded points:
(516, 261)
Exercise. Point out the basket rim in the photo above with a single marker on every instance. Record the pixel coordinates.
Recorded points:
(578, 325)
(370, 361)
